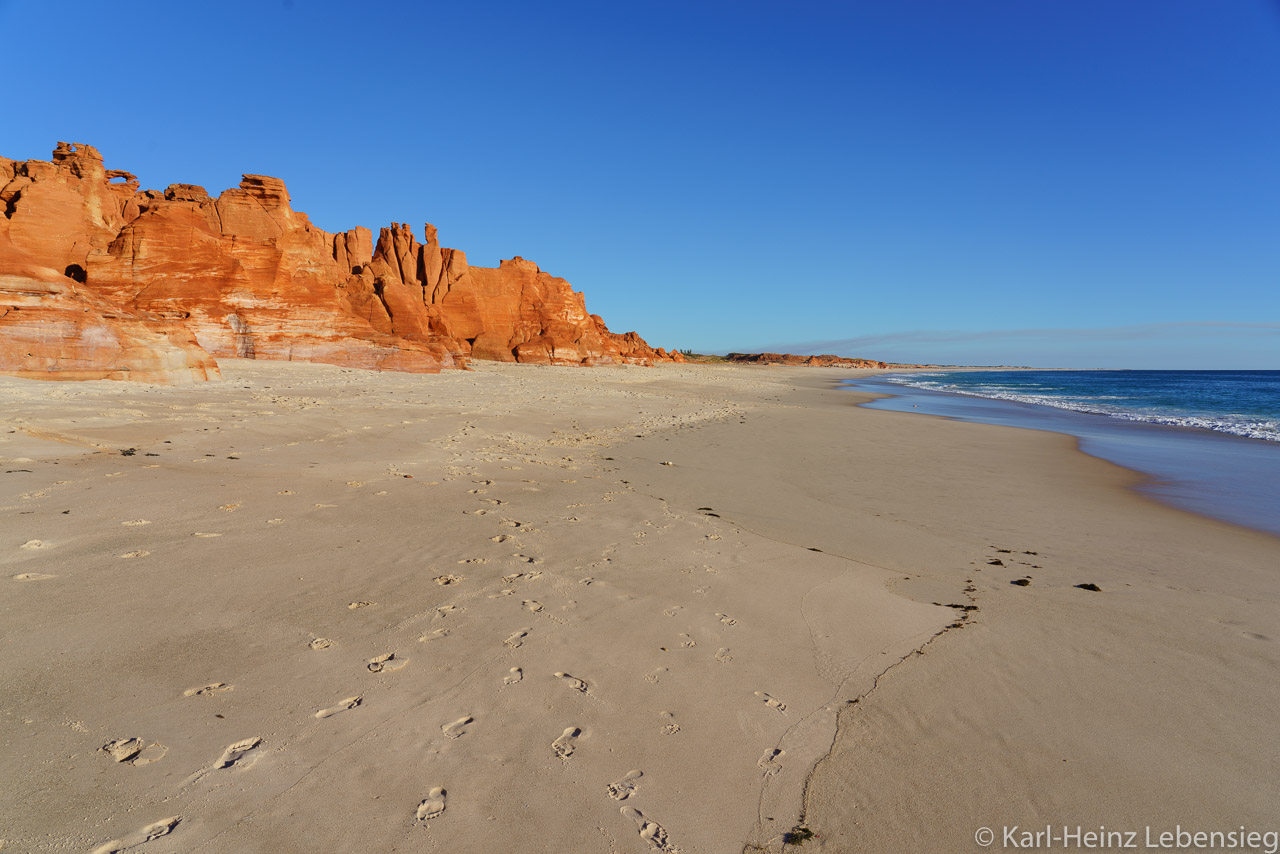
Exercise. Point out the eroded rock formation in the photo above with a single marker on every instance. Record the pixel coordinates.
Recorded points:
(245, 275)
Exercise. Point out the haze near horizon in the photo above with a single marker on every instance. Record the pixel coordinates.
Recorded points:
(1083, 184)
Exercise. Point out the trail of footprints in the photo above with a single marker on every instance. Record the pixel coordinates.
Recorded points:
(137, 752)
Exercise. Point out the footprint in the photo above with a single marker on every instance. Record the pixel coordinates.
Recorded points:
(354, 605)
(771, 702)
(135, 523)
(137, 553)
(670, 727)
(476, 560)
(501, 593)
(456, 729)
(275, 521)
(33, 576)
(435, 635)
(228, 507)
(564, 745)
(687, 641)
(151, 832)
(355, 484)
(769, 763)
(650, 831)
(320, 643)
(655, 676)
(517, 639)
(205, 535)
(622, 789)
(286, 492)
(513, 676)
(501, 538)
(533, 605)
(727, 620)
(432, 807)
(134, 751)
(575, 684)
(444, 611)
(207, 690)
(31, 545)
(349, 703)
(724, 655)
(446, 580)
(234, 753)
(672, 611)
(386, 663)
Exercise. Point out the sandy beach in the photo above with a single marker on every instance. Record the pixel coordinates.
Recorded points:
(684, 608)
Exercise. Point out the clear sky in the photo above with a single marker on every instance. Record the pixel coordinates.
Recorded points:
(1083, 183)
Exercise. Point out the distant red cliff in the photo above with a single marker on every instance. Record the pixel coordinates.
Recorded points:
(808, 361)
(99, 279)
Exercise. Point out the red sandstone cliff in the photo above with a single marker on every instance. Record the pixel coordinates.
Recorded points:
(808, 361)
(178, 275)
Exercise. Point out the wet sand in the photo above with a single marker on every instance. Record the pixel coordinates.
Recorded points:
(310, 608)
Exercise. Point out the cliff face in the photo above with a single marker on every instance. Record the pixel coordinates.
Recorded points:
(180, 272)
(807, 361)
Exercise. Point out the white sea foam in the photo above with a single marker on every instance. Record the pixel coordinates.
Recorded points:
(1237, 425)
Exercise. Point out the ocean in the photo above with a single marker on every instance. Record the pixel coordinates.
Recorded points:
(1209, 441)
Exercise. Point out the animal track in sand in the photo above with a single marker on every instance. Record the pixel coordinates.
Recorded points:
(320, 643)
(437, 634)
(432, 806)
(32, 545)
(513, 676)
(386, 663)
(149, 833)
(134, 751)
(650, 831)
(772, 702)
(622, 789)
(349, 703)
(564, 745)
(655, 676)
(135, 523)
(361, 604)
(573, 682)
(207, 690)
(33, 576)
(136, 553)
(532, 604)
(770, 763)
(457, 728)
(517, 638)
(445, 580)
(726, 619)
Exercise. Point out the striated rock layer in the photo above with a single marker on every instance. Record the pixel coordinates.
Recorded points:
(101, 280)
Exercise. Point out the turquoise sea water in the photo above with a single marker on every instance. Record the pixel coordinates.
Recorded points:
(1209, 441)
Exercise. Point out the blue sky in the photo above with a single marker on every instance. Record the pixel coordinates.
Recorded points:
(986, 181)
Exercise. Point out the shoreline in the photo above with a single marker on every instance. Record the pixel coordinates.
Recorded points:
(1211, 473)
(799, 551)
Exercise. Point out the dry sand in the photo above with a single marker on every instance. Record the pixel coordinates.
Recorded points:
(523, 609)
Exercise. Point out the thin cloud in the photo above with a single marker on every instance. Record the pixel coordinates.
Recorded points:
(915, 338)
